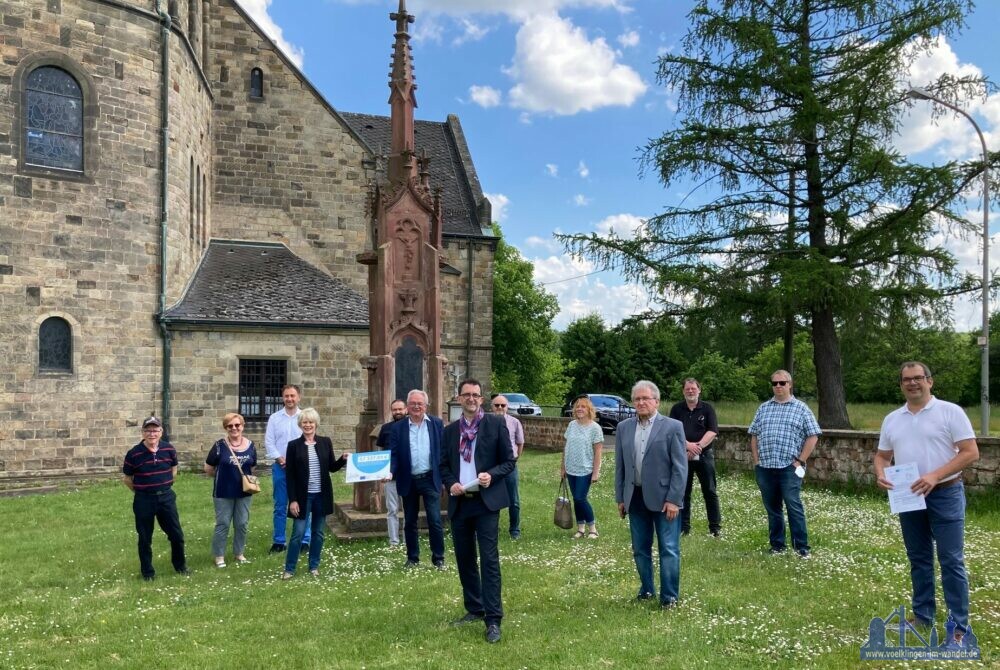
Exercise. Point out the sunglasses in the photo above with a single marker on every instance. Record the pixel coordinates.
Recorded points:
(782, 382)
(234, 425)
(498, 405)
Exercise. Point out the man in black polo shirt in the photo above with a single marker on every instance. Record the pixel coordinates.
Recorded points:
(700, 428)
(149, 469)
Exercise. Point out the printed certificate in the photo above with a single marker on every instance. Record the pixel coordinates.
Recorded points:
(367, 466)
(901, 498)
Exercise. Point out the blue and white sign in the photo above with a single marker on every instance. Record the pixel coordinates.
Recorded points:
(368, 466)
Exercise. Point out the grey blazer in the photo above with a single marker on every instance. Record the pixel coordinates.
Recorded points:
(664, 467)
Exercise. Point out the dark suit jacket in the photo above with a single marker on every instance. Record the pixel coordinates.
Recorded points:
(493, 454)
(399, 445)
(664, 466)
(297, 472)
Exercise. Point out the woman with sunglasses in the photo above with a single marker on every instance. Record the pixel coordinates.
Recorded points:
(228, 460)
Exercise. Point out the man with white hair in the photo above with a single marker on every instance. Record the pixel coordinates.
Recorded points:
(415, 467)
(650, 476)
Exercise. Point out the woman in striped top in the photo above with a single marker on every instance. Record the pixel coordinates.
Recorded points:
(308, 464)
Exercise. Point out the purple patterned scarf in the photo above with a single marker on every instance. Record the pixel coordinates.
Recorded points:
(469, 432)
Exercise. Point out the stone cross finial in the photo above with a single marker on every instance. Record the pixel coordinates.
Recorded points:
(402, 17)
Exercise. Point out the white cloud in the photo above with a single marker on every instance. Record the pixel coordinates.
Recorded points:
(427, 29)
(517, 9)
(257, 9)
(580, 200)
(622, 225)
(552, 169)
(545, 244)
(471, 32)
(629, 39)
(967, 311)
(524, 118)
(499, 203)
(559, 71)
(484, 96)
(583, 170)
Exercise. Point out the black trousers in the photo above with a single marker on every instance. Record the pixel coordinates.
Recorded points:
(704, 468)
(474, 525)
(162, 508)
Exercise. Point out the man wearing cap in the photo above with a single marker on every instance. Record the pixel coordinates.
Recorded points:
(149, 469)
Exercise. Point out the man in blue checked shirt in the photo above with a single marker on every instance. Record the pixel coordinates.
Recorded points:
(782, 436)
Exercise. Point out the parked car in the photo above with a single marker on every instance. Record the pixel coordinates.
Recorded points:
(519, 404)
(611, 409)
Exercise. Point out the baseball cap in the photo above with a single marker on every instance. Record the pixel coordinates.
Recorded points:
(152, 421)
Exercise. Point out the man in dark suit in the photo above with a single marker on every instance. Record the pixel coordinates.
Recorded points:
(414, 465)
(477, 455)
(650, 476)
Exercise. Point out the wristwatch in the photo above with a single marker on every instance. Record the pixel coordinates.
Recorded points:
(799, 461)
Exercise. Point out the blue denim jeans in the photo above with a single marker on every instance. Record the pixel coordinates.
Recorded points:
(281, 506)
(423, 489)
(642, 523)
(312, 518)
(515, 501)
(942, 525)
(579, 488)
(782, 486)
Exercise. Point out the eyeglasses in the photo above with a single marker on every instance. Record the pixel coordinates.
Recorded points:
(234, 426)
(151, 430)
(644, 398)
(470, 395)
(913, 380)
(497, 405)
(780, 382)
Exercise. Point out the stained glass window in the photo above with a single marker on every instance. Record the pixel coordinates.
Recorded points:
(54, 120)
(55, 345)
(256, 83)
(260, 387)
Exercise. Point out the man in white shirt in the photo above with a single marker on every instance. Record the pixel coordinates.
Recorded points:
(282, 428)
(516, 431)
(938, 437)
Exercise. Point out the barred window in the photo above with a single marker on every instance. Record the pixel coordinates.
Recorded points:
(256, 83)
(55, 345)
(260, 387)
(53, 119)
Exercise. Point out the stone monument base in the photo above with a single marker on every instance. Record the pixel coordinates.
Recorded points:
(347, 524)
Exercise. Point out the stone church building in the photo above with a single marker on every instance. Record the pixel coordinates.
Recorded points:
(181, 216)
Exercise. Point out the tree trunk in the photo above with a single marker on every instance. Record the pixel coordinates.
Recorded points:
(829, 372)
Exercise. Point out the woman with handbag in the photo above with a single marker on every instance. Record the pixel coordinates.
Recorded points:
(230, 462)
(308, 464)
(581, 464)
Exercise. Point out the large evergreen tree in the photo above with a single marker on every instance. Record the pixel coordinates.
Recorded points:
(787, 110)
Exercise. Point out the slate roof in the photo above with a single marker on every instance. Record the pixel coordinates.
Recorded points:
(255, 283)
(451, 165)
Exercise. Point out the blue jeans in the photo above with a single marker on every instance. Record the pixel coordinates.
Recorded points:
(777, 486)
(942, 524)
(281, 505)
(642, 522)
(579, 487)
(423, 489)
(313, 513)
(515, 501)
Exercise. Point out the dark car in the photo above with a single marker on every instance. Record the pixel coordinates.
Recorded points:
(611, 409)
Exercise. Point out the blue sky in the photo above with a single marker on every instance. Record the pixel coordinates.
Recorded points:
(557, 96)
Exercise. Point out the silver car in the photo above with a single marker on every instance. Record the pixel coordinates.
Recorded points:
(519, 404)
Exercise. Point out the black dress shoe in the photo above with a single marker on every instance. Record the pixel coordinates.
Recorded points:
(468, 618)
(149, 578)
(276, 548)
(493, 633)
(644, 596)
(410, 564)
(440, 565)
(183, 571)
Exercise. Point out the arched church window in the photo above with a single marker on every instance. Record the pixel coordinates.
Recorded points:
(53, 122)
(256, 83)
(55, 345)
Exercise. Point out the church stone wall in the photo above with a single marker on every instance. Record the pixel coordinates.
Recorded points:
(205, 382)
(286, 170)
(81, 248)
(454, 308)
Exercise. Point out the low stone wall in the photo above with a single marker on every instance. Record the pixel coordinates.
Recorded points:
(842, 456)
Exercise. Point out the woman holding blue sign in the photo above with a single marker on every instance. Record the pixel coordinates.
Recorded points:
(308, 464)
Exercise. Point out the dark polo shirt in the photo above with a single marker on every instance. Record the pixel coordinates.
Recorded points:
(697, 421)
(150, 471)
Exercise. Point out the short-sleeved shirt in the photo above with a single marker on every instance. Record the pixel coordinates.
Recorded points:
(926, 438)
(580, 441)
(516, 431)
(228, 482)
(697, 421)
(781, 429)
(150, 470)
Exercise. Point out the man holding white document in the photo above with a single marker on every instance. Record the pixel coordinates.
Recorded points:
(935, 438)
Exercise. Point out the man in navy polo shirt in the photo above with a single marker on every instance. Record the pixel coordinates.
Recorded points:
(149, 469)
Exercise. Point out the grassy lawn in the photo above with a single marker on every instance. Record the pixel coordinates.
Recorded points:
(72, 596)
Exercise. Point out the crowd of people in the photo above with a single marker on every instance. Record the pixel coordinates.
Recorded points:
(473, 460)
